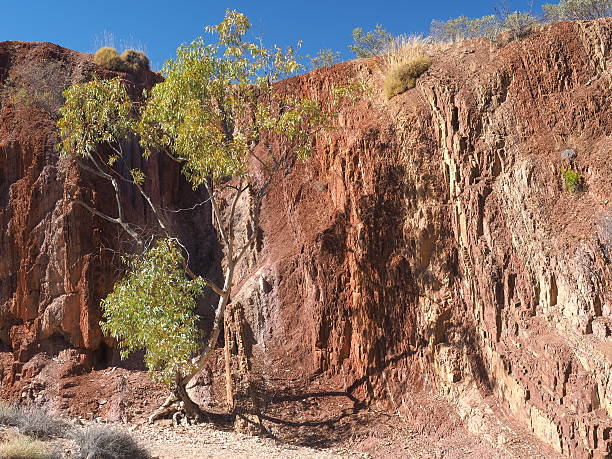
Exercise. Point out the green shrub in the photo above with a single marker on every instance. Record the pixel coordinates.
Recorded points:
(464, 28)
(571, 178)
(518, 24)
(134, 61)
(370, 44)
(152, 308)
(577, 10)
(403, 77)
(102, 442)
(108, 58)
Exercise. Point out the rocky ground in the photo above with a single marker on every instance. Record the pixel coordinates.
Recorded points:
(319, 423)
(203, 441)
(392, 437)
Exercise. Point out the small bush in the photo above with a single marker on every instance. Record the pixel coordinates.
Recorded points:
(21, 447)
(104, 442)
(324, 58)
(36, 83)
(370, 44)
(577, 10)
(518, 24)
(571, 178)
(404, 76)
(464, 28)
(7, 415)
(134, 61)
(33, 421)
(108, 58)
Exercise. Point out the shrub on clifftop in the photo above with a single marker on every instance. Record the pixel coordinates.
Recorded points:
(370, 44)
(129, 61)
(134, 60)
(577, 10)
(108, 58)
(324, 58)
(36, 83)
(403, 77)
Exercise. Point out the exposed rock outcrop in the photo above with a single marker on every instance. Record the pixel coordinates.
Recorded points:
(58, 260)
(428, 245)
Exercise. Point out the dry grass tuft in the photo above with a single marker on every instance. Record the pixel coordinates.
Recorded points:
(406, 59)
(33, 421)
(404, 49)
(104, 442)
(22, 447)
(108, 58)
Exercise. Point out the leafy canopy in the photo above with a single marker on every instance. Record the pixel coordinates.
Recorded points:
(95, 112)
(152, 308)
(215, 103)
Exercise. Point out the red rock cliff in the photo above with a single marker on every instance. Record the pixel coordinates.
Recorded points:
(58, 260)
(428, 245)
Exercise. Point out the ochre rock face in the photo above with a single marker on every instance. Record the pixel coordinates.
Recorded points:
(428, 245)
(430, 242)
(58, 259)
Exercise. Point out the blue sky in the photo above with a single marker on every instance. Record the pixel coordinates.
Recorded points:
(160, 26)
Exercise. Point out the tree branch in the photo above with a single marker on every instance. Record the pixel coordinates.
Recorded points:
(115, 184)
(230, 223)
(95, 211)
(216, 213)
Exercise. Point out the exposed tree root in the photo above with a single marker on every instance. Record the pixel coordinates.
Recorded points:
(183, 411)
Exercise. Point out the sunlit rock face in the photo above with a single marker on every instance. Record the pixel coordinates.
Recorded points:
(431, 244)
(428, 245)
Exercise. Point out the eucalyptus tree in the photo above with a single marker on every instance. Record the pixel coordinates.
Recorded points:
(217, 103)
